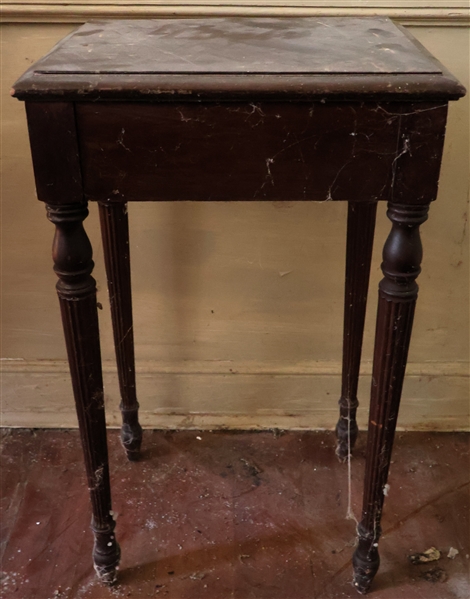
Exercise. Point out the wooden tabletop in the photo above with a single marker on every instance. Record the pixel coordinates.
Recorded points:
(343, 57)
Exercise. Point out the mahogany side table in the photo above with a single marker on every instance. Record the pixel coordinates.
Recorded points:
(234, 109)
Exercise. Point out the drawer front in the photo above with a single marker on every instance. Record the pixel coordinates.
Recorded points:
(260, 151)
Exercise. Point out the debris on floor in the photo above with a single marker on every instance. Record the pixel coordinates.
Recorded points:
(435, 574)
(197, 575)
(430, 555)
(452, 553)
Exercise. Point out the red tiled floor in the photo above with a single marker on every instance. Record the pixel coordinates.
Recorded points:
(239, 515)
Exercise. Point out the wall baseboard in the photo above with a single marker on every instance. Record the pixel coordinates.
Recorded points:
(38, 394)
(441, 14)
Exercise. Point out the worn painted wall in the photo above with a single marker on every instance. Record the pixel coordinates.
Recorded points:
(238, 307)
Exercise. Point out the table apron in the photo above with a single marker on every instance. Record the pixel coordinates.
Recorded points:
(134, 151)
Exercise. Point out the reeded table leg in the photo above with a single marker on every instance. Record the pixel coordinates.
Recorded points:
(360, 239)
(397, 298)
(115, 234)
(76, 288)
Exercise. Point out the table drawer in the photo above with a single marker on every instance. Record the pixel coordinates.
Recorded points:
(258, 151)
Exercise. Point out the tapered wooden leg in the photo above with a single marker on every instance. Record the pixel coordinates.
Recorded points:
(360, 239)
(398, 291)
(115, 234)
(76, 288)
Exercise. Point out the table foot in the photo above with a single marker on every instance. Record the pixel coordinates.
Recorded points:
(106, 554)
(346, 429)
(366, 559)
(131, 433)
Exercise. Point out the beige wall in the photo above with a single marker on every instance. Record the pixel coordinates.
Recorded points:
(238, 307)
